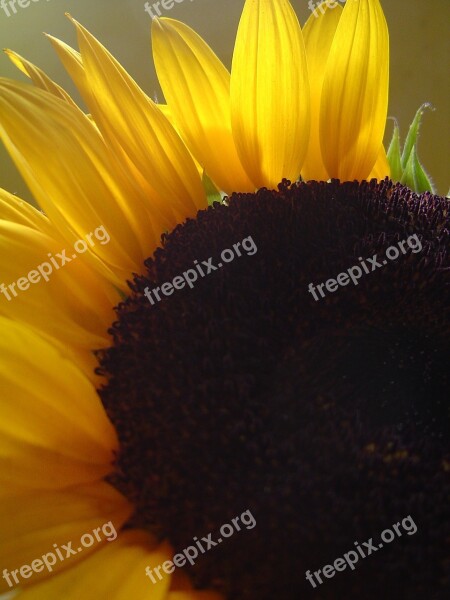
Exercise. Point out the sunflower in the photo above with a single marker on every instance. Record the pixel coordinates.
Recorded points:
(148, 426)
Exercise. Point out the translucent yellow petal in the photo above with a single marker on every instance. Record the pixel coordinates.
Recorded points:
(169, 116)
(54, 431)
(115, 572)
(38, 77)
(66, 165)
(16, 210)
(196, 86)
(270, 101)
(355, 91)
(31, 524)
(132, 124)
(163, 215)
(73, 63)
(69, 302)
(166, 112)
(381, 168)
(318, 34)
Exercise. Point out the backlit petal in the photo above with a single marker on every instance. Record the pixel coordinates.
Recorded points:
(196, 86)
(66, 165)
(318, 33)
(270, 101)
(355, 91)
(161, 212)
(16, 210)
(120, 109)
(72, 62)
(69, 302)
(54, 432)
(381, 168)
(38, 77)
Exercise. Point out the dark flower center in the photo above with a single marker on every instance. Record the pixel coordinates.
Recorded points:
(326, 421)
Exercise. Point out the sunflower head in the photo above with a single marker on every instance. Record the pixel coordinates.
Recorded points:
(319, 418)
(324, 418)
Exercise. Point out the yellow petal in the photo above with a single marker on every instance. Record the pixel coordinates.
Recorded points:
(381, 168)
(66, 165)
(169, 116)
(54, 432)
(270, 102)
(318, 34)
(163, 215)
(16, 210)
(196, 86)
(35, 524)
(117, 572)
(73, 63)
(69, 302)
(38, 77)
(120, 109)
(355, 91)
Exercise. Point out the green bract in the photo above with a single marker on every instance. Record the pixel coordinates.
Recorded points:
(406, 166)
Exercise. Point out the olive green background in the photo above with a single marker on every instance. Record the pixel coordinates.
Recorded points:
(419, 56)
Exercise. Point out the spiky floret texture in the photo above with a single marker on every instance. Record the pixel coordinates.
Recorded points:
(327, 419)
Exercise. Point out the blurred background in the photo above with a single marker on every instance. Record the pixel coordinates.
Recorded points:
(419, 56)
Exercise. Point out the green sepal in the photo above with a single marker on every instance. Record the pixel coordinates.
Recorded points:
(414, 175)
(405, 166)
(394, 154)
(413, 134)
(212, 193)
